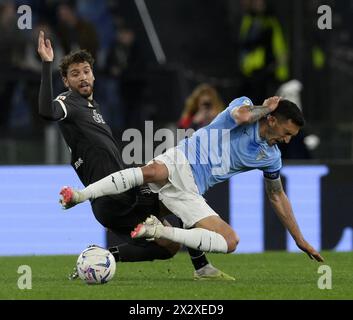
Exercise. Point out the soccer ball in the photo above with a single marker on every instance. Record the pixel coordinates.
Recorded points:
(96, 265)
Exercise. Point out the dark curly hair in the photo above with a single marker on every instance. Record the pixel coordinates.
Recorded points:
(75, 57)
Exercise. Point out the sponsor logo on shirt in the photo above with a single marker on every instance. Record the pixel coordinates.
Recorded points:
(78, 163)
(98, 117)
(261, 155)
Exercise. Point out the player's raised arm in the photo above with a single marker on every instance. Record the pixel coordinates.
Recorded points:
(283, 209)
(47, 108)
(249, 114)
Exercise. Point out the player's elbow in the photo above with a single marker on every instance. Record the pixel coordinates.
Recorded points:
(49, 117)
(241, 116)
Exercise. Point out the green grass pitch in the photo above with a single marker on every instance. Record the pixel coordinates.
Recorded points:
(272, 275)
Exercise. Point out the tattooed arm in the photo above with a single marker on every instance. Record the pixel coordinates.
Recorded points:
(249, 114)
(283, 209)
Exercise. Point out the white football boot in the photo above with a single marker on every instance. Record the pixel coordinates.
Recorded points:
(149, 229)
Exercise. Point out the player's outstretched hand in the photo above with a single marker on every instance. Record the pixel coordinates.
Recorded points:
(310, 251)
(272, 102)
(44, 48)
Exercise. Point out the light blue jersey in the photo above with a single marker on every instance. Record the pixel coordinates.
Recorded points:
(223, 149)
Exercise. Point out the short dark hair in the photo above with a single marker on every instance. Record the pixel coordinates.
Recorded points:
(79, 56)
(288, 110)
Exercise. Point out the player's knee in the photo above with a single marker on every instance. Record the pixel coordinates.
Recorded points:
(149, 173)
(155, 172)
(232, 241)
(173, 248)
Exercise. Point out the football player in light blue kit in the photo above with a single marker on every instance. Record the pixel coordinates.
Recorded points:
(247, 150)
(241, 138)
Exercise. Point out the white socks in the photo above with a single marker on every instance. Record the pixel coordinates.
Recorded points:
(117, 182)
(197, 238)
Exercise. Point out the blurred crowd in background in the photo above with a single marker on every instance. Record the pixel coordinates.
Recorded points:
(215, 52)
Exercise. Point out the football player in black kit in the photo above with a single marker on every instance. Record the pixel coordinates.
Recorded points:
(95, 154)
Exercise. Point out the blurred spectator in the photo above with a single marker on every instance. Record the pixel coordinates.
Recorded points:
(315, 66)
(109, 82)
(41, 9)
(98, 13)
(119, 54)
(201, 107)
(12, 44)
(126, 59)
(74, 32)
(262, 51)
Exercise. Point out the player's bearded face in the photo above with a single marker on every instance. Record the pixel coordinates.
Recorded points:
(280, 131)
(80, 78)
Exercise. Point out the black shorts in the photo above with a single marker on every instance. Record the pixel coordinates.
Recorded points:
(122, 216)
